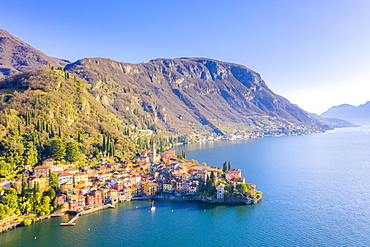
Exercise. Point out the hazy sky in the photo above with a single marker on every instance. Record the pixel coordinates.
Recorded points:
(316, 53)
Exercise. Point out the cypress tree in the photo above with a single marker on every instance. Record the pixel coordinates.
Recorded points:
(19, 128)
(79, 136)
(224, 166)
(104, 144)
(24, 184)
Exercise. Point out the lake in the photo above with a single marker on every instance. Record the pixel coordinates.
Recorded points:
(315, 193)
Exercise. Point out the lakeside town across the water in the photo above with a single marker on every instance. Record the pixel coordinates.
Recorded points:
(148, 175)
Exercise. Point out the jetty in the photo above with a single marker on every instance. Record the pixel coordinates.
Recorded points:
(71, 222)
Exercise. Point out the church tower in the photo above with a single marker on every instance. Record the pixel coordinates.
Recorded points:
(154, 152)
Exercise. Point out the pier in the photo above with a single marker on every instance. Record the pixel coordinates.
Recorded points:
(71, 222)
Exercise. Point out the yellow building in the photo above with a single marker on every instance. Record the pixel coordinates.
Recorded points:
(149, 188)
(80, 177)
(168, 188)
(65, 187)
(42, 180)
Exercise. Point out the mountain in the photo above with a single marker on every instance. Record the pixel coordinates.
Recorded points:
(184, 96)
(331, 123)
(16, 55)
(357, 115)
(188, 95)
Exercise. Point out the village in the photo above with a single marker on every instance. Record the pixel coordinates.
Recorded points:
(147, 175)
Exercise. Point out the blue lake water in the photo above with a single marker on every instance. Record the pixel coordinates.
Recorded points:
(315, 193)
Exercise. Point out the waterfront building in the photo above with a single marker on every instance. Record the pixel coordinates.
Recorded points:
(220, 188)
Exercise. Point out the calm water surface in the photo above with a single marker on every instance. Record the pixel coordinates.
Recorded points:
(315, 193)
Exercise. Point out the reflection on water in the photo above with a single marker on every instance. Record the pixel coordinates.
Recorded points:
(209, 144)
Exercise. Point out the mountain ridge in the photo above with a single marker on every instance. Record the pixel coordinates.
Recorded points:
(17, 56)
(184, 96)
(355, 114)
(213, 90)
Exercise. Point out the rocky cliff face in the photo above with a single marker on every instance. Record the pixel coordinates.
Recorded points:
(192, 93)
(16, 55)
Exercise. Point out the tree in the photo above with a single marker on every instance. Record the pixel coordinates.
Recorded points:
(37, 188)
(224, 166)
(242, 188)
(57, 149)
(228, 165)
(30, 154)
(26, 207)
(51, 193)
(72, 152)
(24, 184)
(4, 211)
(10, 200)
(182, 155)
(213, 178)
(53, 180)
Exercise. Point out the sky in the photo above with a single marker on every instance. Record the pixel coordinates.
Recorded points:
(315, 53)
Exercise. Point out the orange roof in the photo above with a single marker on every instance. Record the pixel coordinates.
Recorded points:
(80, 173)
(71, 169)
(65, 174)
(41, 167)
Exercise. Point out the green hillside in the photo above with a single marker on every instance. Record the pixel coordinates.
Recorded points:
(47, 107)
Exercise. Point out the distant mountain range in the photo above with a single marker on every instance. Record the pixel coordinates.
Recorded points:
(331, 123)
(182, 96)
(358, 115)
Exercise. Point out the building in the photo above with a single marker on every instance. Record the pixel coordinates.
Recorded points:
(48, 162)
(98, 197)
(41, 170)
(66, 187)
(220, 188)
(80, 177)
(56, 168)
(153, 153)
(149, 188)
(112, 196)
(72, 200)
(41, 180)
(65, 177)
(230, 174)
(5, 183)
(168, 188)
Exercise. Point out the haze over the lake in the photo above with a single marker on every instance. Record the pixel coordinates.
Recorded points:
(314, 53)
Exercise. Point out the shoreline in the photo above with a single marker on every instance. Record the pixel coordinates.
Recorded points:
(203, 199)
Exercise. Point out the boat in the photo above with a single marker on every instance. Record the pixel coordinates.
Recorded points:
(152, 208)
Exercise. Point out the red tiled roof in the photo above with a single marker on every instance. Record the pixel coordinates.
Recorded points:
(65, 174)
(41, 167)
